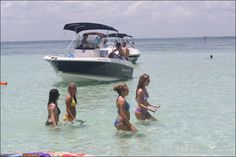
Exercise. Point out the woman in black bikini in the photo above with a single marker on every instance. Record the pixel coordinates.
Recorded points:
(53, 110)
(122, 120)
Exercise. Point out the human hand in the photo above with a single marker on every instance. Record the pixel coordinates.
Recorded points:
(80, 121)
(154, 110)
(132, 128)
(156, 106)
(56, 127)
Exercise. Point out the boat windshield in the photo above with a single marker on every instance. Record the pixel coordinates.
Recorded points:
(88, 42)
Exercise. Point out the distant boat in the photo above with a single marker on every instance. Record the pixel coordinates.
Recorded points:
(89, 63)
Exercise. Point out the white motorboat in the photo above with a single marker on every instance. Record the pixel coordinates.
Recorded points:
(89, 63)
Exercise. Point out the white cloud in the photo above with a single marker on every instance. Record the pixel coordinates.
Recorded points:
(42, 20)
(133, 9)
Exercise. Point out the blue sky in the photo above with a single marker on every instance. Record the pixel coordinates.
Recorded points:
(44, 20)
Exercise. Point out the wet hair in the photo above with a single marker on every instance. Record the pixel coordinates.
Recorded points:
(53, 96)
(70, 85)
(119, 87)
(141, 82)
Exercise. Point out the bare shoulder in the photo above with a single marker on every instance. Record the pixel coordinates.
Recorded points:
(121, 100)
(51, 106)
(68, 97)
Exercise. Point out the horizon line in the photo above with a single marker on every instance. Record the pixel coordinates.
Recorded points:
(223, 36)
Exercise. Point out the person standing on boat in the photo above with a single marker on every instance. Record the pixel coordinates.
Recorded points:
(71, 102)
(142, 95)
(53, 109)
(122, 121)
(84, 42)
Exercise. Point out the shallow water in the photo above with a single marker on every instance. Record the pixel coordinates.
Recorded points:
(197, 97)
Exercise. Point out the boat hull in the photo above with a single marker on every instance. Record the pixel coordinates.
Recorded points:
(87, 69)
(134, 58)
(134, 54)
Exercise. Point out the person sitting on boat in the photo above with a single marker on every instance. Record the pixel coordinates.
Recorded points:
(121, 52)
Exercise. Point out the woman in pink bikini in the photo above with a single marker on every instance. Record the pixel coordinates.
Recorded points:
(143, 107)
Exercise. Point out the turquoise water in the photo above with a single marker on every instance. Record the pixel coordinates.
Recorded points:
(197, 97)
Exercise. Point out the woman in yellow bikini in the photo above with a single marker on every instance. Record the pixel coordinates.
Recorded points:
(71, 102)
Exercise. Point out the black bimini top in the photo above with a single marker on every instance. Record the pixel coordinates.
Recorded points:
(119, 35)
(82, 26)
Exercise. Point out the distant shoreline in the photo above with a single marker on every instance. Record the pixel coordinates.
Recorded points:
(197, 37)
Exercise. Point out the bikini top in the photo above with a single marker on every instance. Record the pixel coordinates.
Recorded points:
(73, 103)
(145, 96)
(127, 106)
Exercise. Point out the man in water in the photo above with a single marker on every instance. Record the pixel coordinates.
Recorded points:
(211, 56)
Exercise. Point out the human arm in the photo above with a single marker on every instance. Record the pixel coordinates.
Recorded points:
(52, 113)
(113, 54)
(143, 103)
(159, 105)
(127, 53)
(147, 108)
(114, 50)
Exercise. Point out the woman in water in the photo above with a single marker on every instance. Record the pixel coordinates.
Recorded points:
(53, 110)
(71, 102)
(122, 120)
(143, 107)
